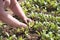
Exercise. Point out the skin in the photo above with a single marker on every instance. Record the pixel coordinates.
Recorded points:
(15, 7)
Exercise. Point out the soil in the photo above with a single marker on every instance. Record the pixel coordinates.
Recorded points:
(11, 30)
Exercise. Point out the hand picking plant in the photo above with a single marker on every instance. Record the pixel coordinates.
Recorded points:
(46, 24)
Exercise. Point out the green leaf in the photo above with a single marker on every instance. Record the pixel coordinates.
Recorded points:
(20, 38)
(58, 19)
(31, 24)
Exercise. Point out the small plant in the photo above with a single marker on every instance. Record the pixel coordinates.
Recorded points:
(46, 24)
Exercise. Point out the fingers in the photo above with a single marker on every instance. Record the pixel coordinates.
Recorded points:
(29, 20)
(23, 25)
(26, 21)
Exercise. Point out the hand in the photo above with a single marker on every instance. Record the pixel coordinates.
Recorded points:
(26, 20)
(23, 25)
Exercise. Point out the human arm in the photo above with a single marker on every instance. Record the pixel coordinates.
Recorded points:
(8, 19)
(16, 8)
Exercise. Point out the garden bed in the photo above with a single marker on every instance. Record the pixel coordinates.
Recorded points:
(46, 25)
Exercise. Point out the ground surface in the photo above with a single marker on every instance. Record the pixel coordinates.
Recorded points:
(46, 25)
